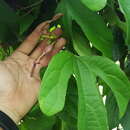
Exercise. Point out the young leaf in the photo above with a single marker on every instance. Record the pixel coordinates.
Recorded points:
(54, 83)
(125, 8)
(113, 76)
(91, 111)
(94, 5)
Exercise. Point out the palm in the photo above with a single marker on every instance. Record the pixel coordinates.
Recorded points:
(19, 87)
(16, 68)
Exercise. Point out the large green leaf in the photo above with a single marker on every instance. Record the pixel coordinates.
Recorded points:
(8, 22)
(125, 8)
(92, 25)
(91, 111)
(113, 76)
(94, 4)
(54, 83)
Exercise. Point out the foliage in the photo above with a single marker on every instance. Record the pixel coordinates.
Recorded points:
(98, 38)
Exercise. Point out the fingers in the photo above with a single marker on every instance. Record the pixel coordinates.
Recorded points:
(58, 46)
(40, 49)
(28, 45)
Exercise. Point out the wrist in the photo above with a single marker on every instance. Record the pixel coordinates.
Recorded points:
(12, 114)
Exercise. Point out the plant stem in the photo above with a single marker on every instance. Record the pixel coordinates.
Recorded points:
(32, 5)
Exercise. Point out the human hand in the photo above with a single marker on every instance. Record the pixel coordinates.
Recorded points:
(19, 85)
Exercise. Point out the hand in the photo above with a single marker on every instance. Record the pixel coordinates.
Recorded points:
(18, 87)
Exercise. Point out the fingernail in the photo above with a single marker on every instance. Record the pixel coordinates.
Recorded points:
(57, 16)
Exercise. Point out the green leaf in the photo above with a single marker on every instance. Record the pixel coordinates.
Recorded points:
(70, 111)
(112, 111)
(54, 83)
(125, 8)
(5, 52)
(8, 22)
(114, 78)
(91, 111)
(80, 42)
(91, 24)
(35, 120)
(119, 47)
(2, 53)
(94, 5)
(125, 121)
(66, 20)
(58, 124)
(25, 23)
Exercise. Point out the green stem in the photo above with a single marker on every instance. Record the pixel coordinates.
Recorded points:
(32, 5)
(121, 25)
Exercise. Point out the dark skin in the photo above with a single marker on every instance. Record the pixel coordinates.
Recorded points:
(19, 77)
